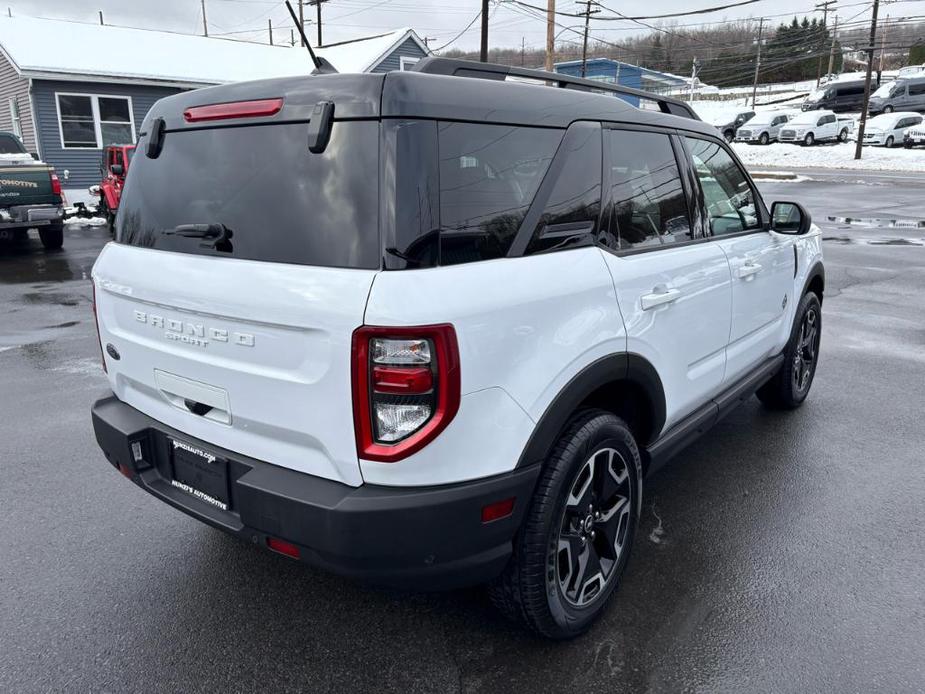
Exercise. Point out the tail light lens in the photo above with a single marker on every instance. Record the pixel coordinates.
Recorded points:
(96, 322)
(55, 184)
(235, 109)
(406, 388)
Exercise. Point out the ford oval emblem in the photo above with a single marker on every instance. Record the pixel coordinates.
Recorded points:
(112, 351)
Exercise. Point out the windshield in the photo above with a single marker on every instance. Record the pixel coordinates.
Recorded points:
(763, 119)
(257, 193)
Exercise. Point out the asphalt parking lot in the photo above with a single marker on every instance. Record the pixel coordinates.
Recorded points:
(784, 552)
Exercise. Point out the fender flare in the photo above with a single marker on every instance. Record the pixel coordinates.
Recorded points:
(817, 270)
(631, 368)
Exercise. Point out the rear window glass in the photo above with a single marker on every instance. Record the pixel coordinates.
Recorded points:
(489, 175)
(10, 145)
(272, 198)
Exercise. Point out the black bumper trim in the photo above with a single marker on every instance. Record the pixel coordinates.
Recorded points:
(422, 537)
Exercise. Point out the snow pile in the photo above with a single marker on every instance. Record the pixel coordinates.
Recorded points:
(86, 221)
(840, 156)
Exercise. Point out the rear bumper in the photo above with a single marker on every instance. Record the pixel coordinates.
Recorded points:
(27, 216)
(425, 537)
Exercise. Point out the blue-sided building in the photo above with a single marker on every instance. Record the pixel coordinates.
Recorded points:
(625, 74)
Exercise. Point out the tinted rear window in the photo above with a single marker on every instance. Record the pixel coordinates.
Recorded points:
(10, 145)
(280, 202)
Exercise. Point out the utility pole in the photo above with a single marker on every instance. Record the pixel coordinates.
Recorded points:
(301, 17)
(317, 4)
(270, 27)
(550, 34)
(584, 45)
(870, 66)
(757, 62)
(886, 30)
(205, 22)
(824, 6)
(483, 49)
(523, 49)
(102, 23)
(694, 66)
(832, 49)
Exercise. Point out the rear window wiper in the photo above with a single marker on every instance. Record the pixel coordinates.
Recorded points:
(219, 232)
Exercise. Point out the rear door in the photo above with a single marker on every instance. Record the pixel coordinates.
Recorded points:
(241, 267)
(673, 289)
(761, 262)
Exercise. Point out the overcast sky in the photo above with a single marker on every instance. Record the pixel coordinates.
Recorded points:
(442, 20)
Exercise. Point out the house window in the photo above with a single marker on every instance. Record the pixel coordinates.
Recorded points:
(90, 121)
(406, 63)
(15, 118)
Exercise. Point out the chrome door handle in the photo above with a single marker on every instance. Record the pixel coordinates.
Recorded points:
(659, 298)
(747, 270)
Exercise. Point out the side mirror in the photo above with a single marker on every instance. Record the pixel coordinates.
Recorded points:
(790, 218)
(35, 155)
(117, 169)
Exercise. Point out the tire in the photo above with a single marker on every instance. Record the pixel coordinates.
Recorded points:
(52, 236)
(790, 386)
(907, 145)
(843, 135)
(765, 139)
(532, 589)
(809, 140)
(888, 109)
(889, 142)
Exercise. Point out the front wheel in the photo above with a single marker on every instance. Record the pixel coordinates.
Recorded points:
(576, 537)
(790, 386)
(52, 236)
(809, 140)
(907, 144)
(889, 142)
(764, 139)
(729, 135)
(888, 109)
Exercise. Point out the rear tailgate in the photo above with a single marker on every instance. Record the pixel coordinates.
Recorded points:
(266, 346)
(26, 185)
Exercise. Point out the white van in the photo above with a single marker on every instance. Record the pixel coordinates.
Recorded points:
(888, 129)
(905, 94)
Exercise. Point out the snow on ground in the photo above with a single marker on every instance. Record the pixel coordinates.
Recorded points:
(839, 156)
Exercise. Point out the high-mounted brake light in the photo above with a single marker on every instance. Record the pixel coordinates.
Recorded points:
(406, 388)
(55, 184)
(234, 109)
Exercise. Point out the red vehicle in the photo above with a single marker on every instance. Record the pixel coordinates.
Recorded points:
(113, 168)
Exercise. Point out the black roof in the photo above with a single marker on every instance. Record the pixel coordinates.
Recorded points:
(433, 93)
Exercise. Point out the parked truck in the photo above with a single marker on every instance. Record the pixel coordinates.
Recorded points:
(810, 127)
(30, 195)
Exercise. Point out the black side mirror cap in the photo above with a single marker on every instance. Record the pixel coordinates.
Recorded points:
(790, 218)
(35, 155)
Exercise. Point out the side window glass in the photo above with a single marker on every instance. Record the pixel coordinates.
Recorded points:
(574, 204)
(649, 207)
(489, 175)
(729, 199)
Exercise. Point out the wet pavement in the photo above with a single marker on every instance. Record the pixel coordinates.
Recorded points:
(783, 552)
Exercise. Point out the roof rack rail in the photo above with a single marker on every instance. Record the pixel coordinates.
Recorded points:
(468, 68)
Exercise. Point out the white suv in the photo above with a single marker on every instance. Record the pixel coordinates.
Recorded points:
(431, 330)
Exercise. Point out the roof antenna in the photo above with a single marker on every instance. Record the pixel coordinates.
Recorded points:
(322, 66)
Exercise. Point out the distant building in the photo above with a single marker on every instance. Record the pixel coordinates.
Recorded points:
(69, 88)
(625, 74)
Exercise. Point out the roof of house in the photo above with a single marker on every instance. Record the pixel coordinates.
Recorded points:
(63, 49)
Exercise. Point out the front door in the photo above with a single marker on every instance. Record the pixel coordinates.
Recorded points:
(761, 262)
(674, 293)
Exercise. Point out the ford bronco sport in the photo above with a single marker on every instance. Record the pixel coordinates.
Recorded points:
(433, 328)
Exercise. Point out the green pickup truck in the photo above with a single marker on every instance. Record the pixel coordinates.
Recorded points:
(30, 195)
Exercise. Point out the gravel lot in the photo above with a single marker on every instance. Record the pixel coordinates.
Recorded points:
(783, 552)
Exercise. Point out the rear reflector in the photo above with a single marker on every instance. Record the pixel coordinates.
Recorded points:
(283, 547)
(125, 471)
(234, 109)
(497, 510)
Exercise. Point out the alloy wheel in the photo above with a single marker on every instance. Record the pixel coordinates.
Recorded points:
(804, 358)
(593, 531)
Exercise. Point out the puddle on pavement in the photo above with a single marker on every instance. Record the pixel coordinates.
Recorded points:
(879, 222)
(847, 240)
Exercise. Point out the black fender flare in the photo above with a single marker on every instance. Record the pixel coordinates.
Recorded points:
(631, 368)
(817, 270)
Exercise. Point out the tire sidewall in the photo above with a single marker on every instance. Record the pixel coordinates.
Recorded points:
(764, 139)
(809, 300)
(568, 618)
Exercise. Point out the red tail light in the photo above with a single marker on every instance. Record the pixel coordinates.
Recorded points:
(406, 388)
(55, 184)
(96, 322)
(234, 109)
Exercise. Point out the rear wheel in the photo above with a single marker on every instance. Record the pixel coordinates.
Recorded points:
(889, 142)
(790, 386)
(809, 140)
(907, 144)
(52, 236)
(843, 135)
(729, 135)
(576, 537)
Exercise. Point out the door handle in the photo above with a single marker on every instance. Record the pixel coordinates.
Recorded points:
(659, 298)
(747, 270)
